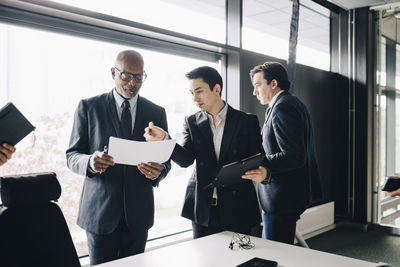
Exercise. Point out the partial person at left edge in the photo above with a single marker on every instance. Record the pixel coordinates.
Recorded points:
(117, 202)
(6, 152)
(396, 192)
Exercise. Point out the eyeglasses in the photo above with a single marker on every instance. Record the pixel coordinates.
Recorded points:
(127, 76)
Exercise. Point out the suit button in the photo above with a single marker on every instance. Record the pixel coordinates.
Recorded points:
(201, 163)
(234, 192)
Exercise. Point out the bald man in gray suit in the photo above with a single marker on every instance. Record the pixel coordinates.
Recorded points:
(117, 204)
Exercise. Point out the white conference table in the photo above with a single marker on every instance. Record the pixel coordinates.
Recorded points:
(213, 251)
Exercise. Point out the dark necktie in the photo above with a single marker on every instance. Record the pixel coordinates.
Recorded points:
(126, 120)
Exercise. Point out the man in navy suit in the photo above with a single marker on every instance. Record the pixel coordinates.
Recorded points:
(117, 203)
(290, 179)
(213, 137)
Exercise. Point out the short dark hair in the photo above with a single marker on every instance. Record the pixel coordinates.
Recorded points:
(208, 74)
(273, 71)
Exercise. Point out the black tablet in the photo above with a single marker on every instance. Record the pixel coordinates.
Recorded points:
(259, 263)
(232, 173)
(13, 125)
(392, 184)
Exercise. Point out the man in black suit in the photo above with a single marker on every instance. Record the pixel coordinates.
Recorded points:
(213, 137)
(117, 204)
(290, 179)
(6, 152)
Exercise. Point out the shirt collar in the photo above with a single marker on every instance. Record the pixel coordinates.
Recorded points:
(119, 99)
(273, 100)
(222, 114)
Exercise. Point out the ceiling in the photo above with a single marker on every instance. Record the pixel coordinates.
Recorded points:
(350, 4)
(273, 17)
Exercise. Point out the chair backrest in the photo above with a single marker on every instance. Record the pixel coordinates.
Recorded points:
(33, 230)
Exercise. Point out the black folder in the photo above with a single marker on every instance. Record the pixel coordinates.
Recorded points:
(231, 173)
(13, 125)
(392, 184)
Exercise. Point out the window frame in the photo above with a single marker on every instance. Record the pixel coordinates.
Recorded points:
(61, 18)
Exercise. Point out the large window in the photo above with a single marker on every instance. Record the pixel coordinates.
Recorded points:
(389, 127)
(266, 29)
(199, 18)
(46, 74)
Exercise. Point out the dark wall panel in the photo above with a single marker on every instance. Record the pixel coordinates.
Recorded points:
(341, 186)
(363, 102)
(341, 86)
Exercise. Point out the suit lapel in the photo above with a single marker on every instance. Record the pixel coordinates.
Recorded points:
(204, 126)
(229, 131)
(276, 101)
(140, 120)
(112, 112)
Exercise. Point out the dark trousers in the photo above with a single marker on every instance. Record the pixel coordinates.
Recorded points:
(119, 244)
(214, 226)
(281, 228)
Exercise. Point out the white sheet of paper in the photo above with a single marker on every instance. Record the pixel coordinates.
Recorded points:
(135, 152)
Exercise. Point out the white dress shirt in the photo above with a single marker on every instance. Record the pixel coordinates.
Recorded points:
(119, 100)
(273, 100)
(217, 130)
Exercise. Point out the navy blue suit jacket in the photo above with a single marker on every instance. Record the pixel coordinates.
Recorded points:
(288, 142)
(121, 187)
(237, 204)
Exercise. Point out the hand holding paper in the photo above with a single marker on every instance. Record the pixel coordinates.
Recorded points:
(151, 170)
(134, 152)
(100, 161)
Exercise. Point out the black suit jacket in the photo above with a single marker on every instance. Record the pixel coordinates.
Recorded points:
(288, 142)
(238, 205)
(121, 187)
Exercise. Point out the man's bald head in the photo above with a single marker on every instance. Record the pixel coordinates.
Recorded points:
(129, 56)
(129, 62)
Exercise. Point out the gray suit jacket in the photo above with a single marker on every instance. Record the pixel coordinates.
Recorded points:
(120, 188)
(288, 142)
(237, 204)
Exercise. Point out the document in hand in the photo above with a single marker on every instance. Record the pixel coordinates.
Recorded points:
(232, 173)
(135, 152)
(13, 125)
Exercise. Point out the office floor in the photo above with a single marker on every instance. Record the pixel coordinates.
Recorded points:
(373, 245)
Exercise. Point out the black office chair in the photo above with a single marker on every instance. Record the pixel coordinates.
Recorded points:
(33, 231)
